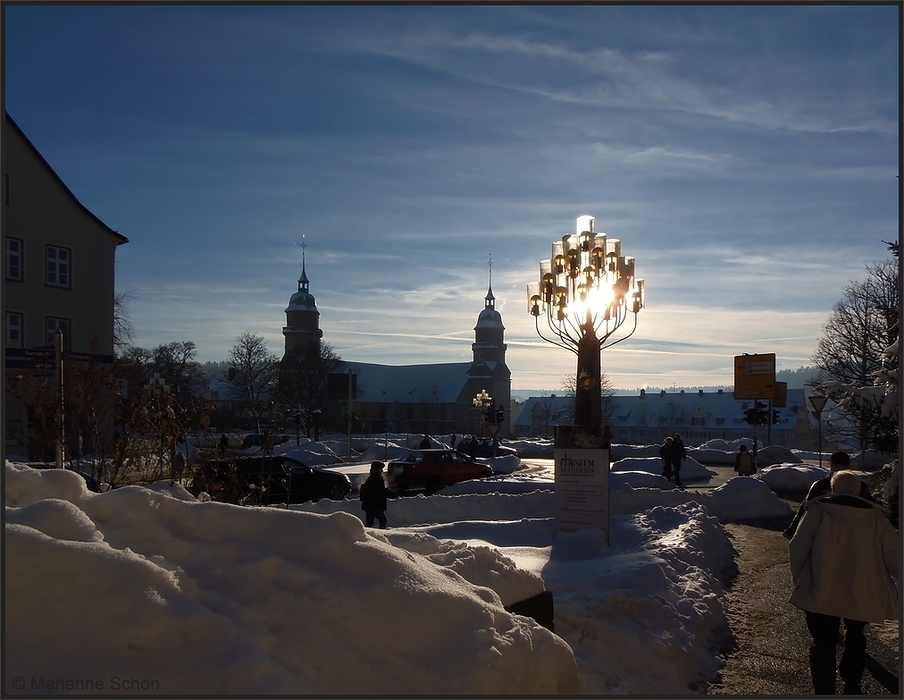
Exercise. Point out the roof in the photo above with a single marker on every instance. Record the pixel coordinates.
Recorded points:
(12, 123)
(670, 410)
(436, 383)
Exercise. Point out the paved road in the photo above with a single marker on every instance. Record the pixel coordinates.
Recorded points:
(771, 638)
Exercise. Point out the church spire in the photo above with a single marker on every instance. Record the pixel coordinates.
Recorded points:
(303, 280)
(490, 299)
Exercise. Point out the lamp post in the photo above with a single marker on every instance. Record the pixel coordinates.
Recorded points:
(585, 292)
(481, 401)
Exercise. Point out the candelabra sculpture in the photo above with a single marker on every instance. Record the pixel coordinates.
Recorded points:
(586, 291)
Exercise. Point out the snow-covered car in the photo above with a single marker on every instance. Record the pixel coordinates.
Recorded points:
(431, 470)
(485, 449)
(268, 479)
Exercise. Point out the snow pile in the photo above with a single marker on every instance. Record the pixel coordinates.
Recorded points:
(210, 598)
(219, 599)
(308, 452)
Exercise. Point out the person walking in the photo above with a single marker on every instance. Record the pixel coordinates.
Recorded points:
(822, 487)
(666, 454)
(425, 443)
(679, 454)
(844, 554)
(374, 494)
(743, 462)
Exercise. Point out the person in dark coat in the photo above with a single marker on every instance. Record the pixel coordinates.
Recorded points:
(679, 454)
(374, 494)
(743, 462)
(666, 454)
(425, 443)
(839, 461)
(472, 447)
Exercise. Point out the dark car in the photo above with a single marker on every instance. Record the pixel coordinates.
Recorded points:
(430, 470)
(268, 480)
(485, 449)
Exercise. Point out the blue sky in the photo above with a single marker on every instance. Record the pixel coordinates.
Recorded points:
(745, 155)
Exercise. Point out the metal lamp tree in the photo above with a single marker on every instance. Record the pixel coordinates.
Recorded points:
(586, 291)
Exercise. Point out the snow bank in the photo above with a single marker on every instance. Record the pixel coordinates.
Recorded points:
(219, 599)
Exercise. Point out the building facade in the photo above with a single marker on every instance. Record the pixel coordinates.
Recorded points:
(647, 418)
(58, 272)
(436, 399)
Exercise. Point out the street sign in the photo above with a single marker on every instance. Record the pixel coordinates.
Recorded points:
(754, 376)
(819, 403)
(493, 428)
(780, 400)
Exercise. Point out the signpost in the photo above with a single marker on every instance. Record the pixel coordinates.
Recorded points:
(582, 479)
(819, 403)
(754, 376)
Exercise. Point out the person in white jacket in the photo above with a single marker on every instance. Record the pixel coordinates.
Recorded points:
(844, 556)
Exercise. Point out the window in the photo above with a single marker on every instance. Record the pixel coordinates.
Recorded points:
(58, 260)
(14, 258)
(51, 327)
(698, 420)
(13, 329)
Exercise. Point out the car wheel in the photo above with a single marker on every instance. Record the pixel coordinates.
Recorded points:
(337, 492)
(433, 485)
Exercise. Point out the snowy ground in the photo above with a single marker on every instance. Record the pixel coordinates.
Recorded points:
(148, 590)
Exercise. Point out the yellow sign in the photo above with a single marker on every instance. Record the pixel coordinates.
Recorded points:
(754, 376)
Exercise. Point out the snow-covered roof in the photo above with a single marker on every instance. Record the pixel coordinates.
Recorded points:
(675, 409)
(440, 382)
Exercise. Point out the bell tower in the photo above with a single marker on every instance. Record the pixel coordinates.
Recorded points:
(302, 330)
(488, 370)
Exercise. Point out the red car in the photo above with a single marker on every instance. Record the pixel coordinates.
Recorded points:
(431, 470)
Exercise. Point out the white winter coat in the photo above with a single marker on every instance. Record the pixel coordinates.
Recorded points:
(842, 560)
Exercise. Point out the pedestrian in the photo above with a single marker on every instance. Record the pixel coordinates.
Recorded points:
(843, 555)
(821, 487)
(425, 443)
(373, 493)
(743, 462)
(224, 443)
(666, 454)
(679, 454)
(472, 447)
(181, 458)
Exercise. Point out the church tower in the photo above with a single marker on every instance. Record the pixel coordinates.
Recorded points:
(488, 370)
(302, 330)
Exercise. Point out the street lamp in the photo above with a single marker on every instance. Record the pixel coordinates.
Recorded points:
(481, 401)
(586, 291)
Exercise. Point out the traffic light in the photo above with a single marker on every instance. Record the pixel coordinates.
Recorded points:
(750, 416)
(774, 416)
(490, 414)
(500, 414)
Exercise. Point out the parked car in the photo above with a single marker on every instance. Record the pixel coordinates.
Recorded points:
(431, 470)
(268, 480)
(485, 448)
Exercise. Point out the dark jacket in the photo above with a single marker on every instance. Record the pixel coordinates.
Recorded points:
(679, 454)
(818, 489)
(667, 452)
(374, 494)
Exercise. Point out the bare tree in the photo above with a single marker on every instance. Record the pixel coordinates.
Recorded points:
(123, 330)
(252, 375)
(853, 352)
(607, 407)
(303, 381)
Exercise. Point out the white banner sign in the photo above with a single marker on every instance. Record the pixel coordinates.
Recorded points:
(582, 490)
